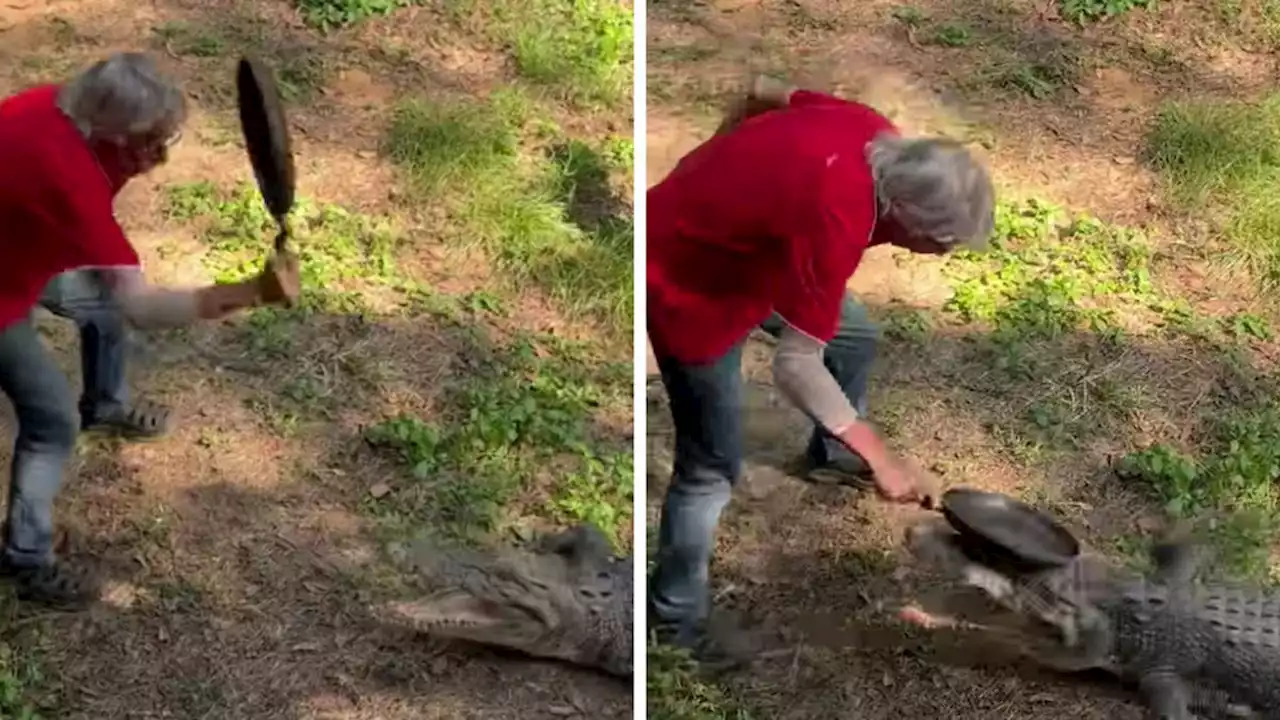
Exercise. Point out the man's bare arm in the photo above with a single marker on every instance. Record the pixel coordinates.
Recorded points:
(151, 306)
(763, 94)
(802, 377)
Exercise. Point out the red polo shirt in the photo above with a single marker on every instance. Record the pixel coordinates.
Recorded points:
(55, 202)
(774, 215)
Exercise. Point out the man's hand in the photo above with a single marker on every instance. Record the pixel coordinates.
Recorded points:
(280, 281)
(763, 94)
(902, 482)
(896, 479)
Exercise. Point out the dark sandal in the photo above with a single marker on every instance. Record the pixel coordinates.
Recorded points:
(57, 584)
(138, 421)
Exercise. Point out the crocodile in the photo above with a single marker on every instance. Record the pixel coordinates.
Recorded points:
(1191, 650)
(565, 597)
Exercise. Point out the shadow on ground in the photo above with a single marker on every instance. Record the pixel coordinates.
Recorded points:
(821, 569)
(246, 591)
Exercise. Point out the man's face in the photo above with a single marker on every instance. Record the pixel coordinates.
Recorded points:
(899, 236)
(147, 152)
(921, 244)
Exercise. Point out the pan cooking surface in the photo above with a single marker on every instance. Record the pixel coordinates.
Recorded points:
(266, 135)
(1003, 524)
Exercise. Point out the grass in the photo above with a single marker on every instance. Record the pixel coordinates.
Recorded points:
(19, 676)
(1224, 158)
(1057, 304)
(332, 14)
(1086, 11)
(1047, 279)
(301, 71)
(510, 426)
(1010, 61)
(674, 691)
(345, 257)
(528, 407)
(537, 201)
(25, 687)
(579, 49)
(1228, 481)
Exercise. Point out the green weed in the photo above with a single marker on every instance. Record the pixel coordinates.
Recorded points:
(1036, 79)
(909, 16)
(184, 39)
(508, 424)
(18, 675)
(675, 692)
(345, 257)
(599, 491)
(1231, 477)
(953, 35)
(331, 14)
(1084, 11)
(1045, 276)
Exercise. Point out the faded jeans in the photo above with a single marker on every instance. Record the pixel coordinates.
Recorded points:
(48, 421)
(705, 407)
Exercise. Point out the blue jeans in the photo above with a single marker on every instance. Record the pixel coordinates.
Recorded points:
(81, 297)
(48, 421)
(706, 401)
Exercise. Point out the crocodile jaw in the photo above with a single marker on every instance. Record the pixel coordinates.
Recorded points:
(458, 614)
(934, 543)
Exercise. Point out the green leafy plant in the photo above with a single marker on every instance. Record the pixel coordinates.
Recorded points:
(1082, 11)
(330, 14)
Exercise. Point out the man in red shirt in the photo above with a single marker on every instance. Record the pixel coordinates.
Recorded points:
(65, 151)
(762, 226)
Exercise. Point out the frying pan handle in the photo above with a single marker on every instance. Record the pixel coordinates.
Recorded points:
(282, 237)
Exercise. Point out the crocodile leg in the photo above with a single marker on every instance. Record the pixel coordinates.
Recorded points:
(1176, 557)
(1167, 696)
(584, 545)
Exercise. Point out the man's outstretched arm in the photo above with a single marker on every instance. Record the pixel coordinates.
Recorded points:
(149, 306)
(801, 376)
(763, 94)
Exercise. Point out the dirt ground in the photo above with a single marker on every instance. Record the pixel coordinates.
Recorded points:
(242, 569)
(818, 566)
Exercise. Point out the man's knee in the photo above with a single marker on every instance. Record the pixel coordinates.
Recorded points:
(50, 426)
(83, 297)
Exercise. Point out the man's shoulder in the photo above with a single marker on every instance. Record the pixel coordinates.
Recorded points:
(30, 109)
(39, 145)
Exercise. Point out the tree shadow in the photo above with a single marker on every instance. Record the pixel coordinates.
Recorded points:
(1046, 418)
(245, 551)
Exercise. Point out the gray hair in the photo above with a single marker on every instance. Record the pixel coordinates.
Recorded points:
(937, 187)
(123, 97)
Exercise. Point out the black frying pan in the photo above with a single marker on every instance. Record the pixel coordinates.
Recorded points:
(996, 526)
(266, 136)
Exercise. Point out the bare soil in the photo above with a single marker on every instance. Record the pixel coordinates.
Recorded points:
(819, 567)
(242, 573)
